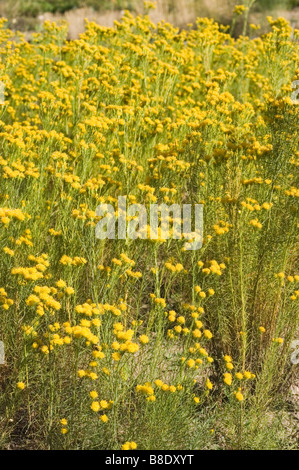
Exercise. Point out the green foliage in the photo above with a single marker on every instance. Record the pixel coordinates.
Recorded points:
(35, 7)
(262, 5)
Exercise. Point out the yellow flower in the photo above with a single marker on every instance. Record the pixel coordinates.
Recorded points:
(209, 384)
(21, 385)
(8, 251)
(208, 334)
(227, 358)
(239, 396)
(93, 375)
(239, 9)
(196, 333)
(149, 5)
(190, 363)
(281, 275)
(69, 290)
(129, 445)
(181, 319)
(228, 378)
(61, 283)
(116, 356)
(143, 339)
(95, 406)
(104, 418)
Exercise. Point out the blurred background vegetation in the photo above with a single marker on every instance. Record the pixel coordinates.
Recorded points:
(28, 15)
(36, 7)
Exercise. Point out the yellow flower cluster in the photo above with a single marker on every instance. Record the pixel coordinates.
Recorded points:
(123, 331)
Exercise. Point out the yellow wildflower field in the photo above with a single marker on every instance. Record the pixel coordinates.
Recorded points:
(141, 343)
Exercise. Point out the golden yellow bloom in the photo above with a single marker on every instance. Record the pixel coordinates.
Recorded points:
(239, 9)
(151, 398)
(95, 406)
(209, 384)
(190, 363)
(228, 378)
(239, 396)
(143, 339)
(208, 334)
(129, 445)
(116, 356)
